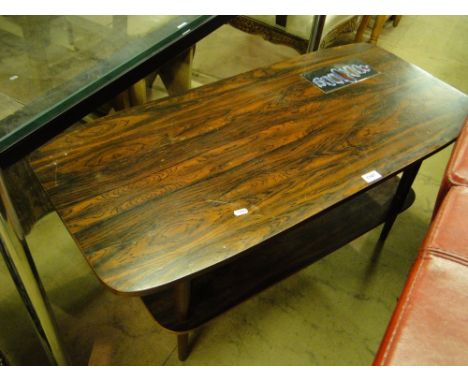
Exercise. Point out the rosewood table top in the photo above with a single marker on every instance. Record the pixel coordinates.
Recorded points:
(171, 189)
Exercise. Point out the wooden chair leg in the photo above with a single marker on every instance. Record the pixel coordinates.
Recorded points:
(177, 74)
(137, 93)
(121, 101)
(362, 28)
(379, 23)
(396, 21)
(133, 96)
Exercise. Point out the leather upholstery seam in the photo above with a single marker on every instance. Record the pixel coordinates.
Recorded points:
(456, 182)
(439, 252)
(440, 218)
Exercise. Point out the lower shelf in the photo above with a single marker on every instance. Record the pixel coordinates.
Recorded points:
(222, 288)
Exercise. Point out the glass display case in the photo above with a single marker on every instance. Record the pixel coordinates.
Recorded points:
(53, 71)
(48, 64)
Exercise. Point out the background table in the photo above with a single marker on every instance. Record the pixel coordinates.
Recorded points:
(55, 70)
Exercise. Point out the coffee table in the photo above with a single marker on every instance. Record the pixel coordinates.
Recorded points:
(198, 201)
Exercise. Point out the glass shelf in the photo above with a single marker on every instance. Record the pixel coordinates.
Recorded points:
(48, 64)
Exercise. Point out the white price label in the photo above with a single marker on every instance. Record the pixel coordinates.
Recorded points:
(371, 176)
(241, 211)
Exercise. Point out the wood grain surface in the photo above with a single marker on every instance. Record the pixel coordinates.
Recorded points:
(214, 292)
(149, 194)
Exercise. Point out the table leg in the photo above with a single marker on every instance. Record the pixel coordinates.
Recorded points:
(17, 256)
(137, 93)
(379, 23)
(182, 303)
(362, 28)
(396, 20)
(281, 20)
(404, 186)
(182, 346)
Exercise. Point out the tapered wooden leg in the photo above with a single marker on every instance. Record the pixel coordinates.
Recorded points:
(133, 96)
(177, 74)
(182, 346)
(182, 303)
(379, 23)
(281, 20)
(404, 186)
(396, 20)
(121, 101)
(137, 93)
(362, 28)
